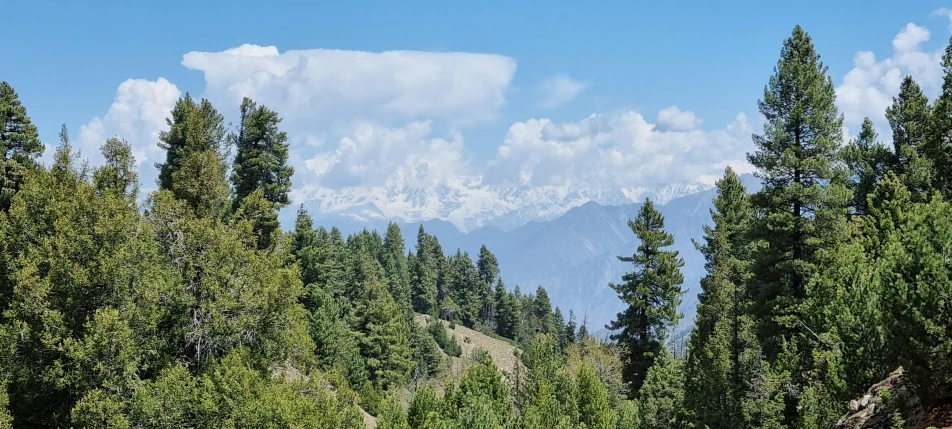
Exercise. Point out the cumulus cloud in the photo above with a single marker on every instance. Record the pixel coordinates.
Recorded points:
(326, 87)
(137, 114)
(373, 155)
(675, 119)
(615, 151)
(868, 88)
(558, 90)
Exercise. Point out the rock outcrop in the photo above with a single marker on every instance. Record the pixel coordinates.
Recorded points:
(890, 402)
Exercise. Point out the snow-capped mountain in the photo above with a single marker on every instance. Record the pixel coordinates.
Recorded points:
(469, 204)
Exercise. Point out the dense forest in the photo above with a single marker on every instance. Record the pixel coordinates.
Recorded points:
(191, 307)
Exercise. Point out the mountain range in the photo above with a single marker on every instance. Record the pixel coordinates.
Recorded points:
(570, 248)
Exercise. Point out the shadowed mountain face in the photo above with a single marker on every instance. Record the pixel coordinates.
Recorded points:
(575, 256)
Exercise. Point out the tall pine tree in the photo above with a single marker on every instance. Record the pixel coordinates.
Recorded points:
(795, 160)
(652, 293)
(20, 144)
(867, 160)
(716, 368)
(909, 118)
(261, 160)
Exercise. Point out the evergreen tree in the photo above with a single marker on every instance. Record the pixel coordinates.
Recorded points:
(910, 118)
(542, 311)
(652, 293)
(261, 160)
(718, 349)
(384, 336)
(488, 268)
(397, 269)
(867, 160)
(802, 195)
(20, 144)
(595, 411)
(118, 174)
(194, 169)
(939, 141)
(426, 273)
(661, 398)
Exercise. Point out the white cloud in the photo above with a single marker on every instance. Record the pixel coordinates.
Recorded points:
(613, 151)
(868, 88)
(674, 119)
(336, 87)
(137, 114)
(373, 155)
(946, 12)
(558, 90)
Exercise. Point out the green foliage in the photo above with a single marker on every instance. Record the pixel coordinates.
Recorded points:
(652, 293)
(867, 159)
(261, 160)
(910, 120)
(449, 344)
(384, 336)
(660, 399)
(595, 411)
(20, 144)
(717, 364)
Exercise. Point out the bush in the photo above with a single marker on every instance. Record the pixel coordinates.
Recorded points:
(453, 348)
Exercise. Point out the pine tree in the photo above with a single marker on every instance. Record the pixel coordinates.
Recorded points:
(652, 293)
(118, 175)
(660, 400)
(939, 141)
(595, 411)
(488, 268)
(867, 160)
(194, 169)
(801, 196)
(426, 273)
(20, 144)
(397, 268)
(384, 336)
(261, 160)
(910, 117)
(542, 310)
(716, 367)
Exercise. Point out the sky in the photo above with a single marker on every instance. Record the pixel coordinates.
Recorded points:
(391, 94)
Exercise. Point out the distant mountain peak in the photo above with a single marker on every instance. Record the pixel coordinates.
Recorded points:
(469, 203)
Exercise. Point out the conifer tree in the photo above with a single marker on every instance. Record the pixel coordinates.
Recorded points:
(939, 141)
(660, 400)
(194, 168)
(652, 293)
(397, 268)
(262, 156)
(20, 144)
(384, 336)
(867, 160)
(595, 411)
(719, 346)
(802, 194)
(488, 268)
(910, 118)
(426, 273)
(118, 174)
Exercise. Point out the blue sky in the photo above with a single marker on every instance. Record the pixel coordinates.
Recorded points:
(710, 59)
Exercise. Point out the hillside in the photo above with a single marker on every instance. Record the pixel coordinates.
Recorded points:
(503, 353)
(890, 401)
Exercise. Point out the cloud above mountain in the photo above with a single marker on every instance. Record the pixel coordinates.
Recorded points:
(412, 119)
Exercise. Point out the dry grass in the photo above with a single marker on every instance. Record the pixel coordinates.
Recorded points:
(471, 342)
